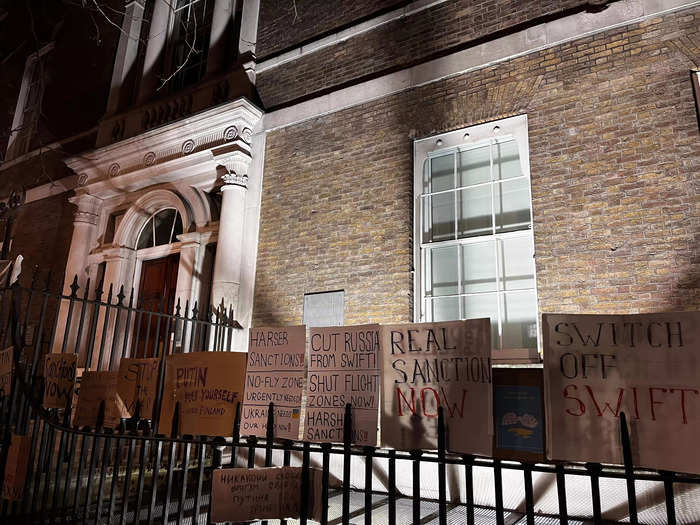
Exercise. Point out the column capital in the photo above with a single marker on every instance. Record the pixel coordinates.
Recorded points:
(234, 169)
(89, 208)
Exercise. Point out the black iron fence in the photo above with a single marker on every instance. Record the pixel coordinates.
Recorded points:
(139, 474)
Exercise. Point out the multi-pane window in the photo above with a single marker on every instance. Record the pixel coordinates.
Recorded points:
(190, 41)
(475, 244)
(162, 227)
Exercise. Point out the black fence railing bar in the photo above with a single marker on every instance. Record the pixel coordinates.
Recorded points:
(137, 473)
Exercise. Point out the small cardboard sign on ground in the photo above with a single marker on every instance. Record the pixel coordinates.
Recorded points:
(241, 494)
(16, 468)
(343, 368)
(59, 378)
(275, 374)
(432, 365)
(138, 382)
(645, 365)
(208, 386)
(6, 367)
(96, 387)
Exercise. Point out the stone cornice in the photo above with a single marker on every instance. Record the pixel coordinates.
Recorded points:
(183, 149)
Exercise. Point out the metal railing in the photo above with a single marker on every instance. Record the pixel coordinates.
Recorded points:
(134, 474)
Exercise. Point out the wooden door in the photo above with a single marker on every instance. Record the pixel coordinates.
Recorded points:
(156, 294)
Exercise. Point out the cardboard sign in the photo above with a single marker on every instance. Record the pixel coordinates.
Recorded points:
(343, 368)
(6, 367)
(208, 386)
(275, 373)
(241, 494)
(645, 365)
(59, 377)
(138, 382)
(16, 468)
(429, 365)
(96, 387)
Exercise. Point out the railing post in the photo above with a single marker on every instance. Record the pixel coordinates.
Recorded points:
(347, 458)
(442, 482)
(629, 469)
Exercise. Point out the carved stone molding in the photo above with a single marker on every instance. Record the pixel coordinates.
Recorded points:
(89, 208)
(187, 147)
(149, 159)
(235, 179)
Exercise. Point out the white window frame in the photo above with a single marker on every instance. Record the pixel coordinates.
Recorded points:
(12, 151)
(473, 136)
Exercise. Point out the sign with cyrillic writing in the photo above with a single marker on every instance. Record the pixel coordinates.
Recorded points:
(645, 365)
(343, 368)
(138, 383)
(16, 468)
(431, 365)
(96, 387)
(208, 386)
(59, 378)
(241, 494)
(275, 374)
(6, 364)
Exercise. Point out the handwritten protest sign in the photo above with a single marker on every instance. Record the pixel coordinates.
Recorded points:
(138, 382)
(241, 494)
(645, 365)
(275, 373)
(16, 468)
(6, 365)
(208, 386)
(343, 368)
(59, 377)
(96, 387)
(429, 365)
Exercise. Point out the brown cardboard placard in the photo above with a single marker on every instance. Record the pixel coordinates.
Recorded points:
(96, 387)
(343, 368)
(645, 365)
(429, 365)
(242, 494)
(274, 373)
(138, 382)
(208, 386)
(59, 377)
(6, 368)
(16, 468)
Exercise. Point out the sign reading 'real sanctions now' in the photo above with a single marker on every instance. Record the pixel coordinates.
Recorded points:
(645, 365)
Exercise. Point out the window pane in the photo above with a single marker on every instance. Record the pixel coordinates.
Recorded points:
(442, 217)
(444, 308)
(163, 223)
(475, 211)
(178, 227)
(517, 263)
(442, 172)
(480, 306)
(506, 160)
(443, 263)
(478, 267)
(512, 205)
(474, 166)
(519, 311)
(146, 237)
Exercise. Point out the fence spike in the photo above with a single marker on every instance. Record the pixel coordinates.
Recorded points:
(74, 287)
(121, 296)
(98, 290)
(48, 282)
(109, 293)
(187, 309)
(131, 297)
(177, 307)
(175, 427)
(195, 311)
(100, 417)
(87, 289)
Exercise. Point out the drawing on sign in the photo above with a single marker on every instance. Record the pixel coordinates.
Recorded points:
(208, 386)
(275, 374)
(343, 368)
(597, 366)
(6, 364)
(138, 382)
(16, 468)
(519, 421)
(59, 379)
(96, 387)
(432, 365)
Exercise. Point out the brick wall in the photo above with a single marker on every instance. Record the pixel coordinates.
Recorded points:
(614, 156)
(280, 27)
(400, 43)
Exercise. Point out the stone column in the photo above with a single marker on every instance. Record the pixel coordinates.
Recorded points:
(126, 54)
(227, 263)
(221, 25)
(155, 49)
(249, 28)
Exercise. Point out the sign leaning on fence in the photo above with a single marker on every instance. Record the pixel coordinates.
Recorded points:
(96, 387)
(645, 365)
(343, 368)
(16, 467)
(275, 373)
(59, 377)
(431, 365)
(138, 382)
(208, 386)
(6, 365)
